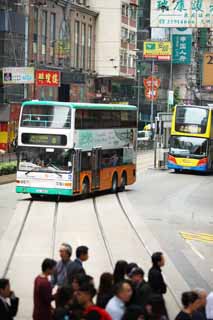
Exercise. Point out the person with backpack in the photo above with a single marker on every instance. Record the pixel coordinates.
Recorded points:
(85, 296)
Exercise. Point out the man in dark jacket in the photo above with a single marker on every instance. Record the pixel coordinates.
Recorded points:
(76, 267)
(155, 277)
(142, 290)
(7, 311)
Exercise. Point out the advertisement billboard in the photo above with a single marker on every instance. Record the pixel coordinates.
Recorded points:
(159, 50)
(18, 75)
(182, 13)
(207, 79)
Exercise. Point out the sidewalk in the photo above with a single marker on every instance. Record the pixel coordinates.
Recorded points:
(7, 178)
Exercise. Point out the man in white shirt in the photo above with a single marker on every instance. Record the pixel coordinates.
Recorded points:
(117, 304)
(209, 306)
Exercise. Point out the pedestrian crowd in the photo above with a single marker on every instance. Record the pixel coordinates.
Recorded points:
(64, 291)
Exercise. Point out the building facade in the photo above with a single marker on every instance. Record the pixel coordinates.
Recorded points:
(61, 38)
(115, 48)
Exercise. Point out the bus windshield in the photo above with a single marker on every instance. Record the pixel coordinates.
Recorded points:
(42, 116)
(188, 147)
(191, 120)
(44, 159)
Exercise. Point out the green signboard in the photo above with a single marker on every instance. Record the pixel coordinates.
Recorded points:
(182, 47)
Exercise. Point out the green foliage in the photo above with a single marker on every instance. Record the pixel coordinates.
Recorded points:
(8, 167)
(177, 97)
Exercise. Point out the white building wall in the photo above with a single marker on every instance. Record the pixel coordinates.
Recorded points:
(108, 36)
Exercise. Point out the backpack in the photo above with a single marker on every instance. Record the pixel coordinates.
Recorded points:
(102, 312)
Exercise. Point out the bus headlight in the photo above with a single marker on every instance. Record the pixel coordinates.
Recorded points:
(22, 181)
(64, 184)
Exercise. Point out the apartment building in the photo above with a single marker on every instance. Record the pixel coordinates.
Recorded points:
(115, 47)
(61, 40)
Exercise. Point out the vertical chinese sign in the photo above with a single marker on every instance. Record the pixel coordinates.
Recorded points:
(47, 78)
(181, 46)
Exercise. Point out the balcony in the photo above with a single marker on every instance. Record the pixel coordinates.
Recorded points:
(124, 20)
(134, 2)
(132, 23)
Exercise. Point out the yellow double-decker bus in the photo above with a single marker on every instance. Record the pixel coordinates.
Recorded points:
(191, 143)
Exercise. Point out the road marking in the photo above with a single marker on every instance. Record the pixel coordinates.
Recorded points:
(195, 250)
(202, 237)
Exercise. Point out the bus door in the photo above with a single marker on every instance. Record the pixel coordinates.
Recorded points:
(76, 169)
(96, 168)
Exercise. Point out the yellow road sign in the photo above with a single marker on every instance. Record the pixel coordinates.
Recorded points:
(202, 237)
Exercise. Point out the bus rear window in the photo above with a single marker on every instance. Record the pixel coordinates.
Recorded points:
(42, 116)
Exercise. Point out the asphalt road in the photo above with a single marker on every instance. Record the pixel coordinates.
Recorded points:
(163, 205)
(172, 203)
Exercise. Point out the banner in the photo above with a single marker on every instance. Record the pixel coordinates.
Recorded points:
(182, 13)
(47, 78)
(19, 75)
(159, 50)
(207, 79)
(181, 49)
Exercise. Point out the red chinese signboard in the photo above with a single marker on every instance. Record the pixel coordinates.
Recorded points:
(47, 78)
(151, 87)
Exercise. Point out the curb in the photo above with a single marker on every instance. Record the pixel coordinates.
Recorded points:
(7, 178)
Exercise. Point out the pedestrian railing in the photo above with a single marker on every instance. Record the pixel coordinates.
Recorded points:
(8, 157)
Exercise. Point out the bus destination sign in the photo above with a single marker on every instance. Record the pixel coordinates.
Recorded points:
(44, 139)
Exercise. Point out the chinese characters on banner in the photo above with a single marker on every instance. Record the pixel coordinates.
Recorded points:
(151, 85)
(182, 47)
(182, 13)
(47, 78)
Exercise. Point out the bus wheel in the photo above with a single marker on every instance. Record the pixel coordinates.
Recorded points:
(123, 182)
(85, 187)
(177, 170)
(114, 183)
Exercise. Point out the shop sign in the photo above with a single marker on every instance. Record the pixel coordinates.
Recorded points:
(47, 78)
(159, 50)
(182, 13)
(18, 75)
(207, 79)
(182, 48)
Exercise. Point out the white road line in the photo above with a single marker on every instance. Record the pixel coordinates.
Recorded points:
(195, 250)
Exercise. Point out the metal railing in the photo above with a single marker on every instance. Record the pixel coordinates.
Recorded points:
(7, 157)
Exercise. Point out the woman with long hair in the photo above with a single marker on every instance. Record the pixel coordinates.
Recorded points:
(105, 291)
(120, 271)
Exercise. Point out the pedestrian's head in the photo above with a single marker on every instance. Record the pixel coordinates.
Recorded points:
(82, 253)
(106, 283)
(64, 296)
(86, 293)
(120, 270)
(79, 279)
(48, 266)
(4, 288)
(190, 301)
(65, 251)
(158, 259)
(130, 266)
(202, 297)
(136, 275)
(123, 290)
(133, 312)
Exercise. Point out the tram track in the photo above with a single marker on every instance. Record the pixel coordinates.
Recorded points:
(103, 223)
(16, 241)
